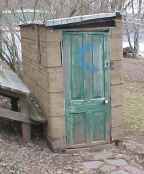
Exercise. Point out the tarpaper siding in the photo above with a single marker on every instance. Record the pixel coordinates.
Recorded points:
(45, 79)
(116, 55)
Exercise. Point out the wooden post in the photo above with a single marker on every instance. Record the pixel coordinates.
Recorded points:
(26, 132)
(26, 127)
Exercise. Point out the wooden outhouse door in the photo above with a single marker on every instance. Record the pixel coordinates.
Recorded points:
(87, 86)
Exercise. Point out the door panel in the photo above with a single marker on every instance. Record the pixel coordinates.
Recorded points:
(77, 83)
(86, 78)
(98, 88)
(97, 125)
(78, 128)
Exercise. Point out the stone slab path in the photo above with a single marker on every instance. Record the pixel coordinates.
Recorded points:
(110, 163)
(126, 159)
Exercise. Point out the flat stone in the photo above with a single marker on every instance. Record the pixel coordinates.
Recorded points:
(86, 156)
(117, 162)
(122, 156)
(103, 155)
(59, 171)
(120, 172)
(107, 168)
(92, 165)
(134, 170)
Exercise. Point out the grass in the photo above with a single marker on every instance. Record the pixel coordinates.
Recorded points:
(133, 111)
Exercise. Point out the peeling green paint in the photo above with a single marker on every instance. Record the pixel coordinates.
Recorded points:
(87, 113)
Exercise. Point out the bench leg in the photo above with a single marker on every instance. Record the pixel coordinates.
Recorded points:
(26, 132)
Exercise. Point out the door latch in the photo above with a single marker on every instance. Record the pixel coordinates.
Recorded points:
(105, 101)
(107, 64)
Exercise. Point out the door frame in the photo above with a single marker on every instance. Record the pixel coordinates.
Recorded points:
(107, 34)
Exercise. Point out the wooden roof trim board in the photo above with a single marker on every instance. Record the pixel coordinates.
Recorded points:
(77, 21)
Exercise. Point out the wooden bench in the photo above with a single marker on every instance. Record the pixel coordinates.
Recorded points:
(35, 117)
(28, 115)
(13, 87)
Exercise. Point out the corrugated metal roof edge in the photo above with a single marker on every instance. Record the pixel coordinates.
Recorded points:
(73, 20)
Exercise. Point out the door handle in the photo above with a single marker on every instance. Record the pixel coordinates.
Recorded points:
(105, 101)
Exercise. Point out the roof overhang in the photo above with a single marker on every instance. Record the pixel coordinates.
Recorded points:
(95, 20)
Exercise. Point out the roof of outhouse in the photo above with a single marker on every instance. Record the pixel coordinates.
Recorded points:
(77, 21)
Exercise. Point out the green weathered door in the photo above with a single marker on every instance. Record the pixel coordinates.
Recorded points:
(87, 96)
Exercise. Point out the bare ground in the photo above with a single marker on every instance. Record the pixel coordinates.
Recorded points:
(36, 158)
(134, 98)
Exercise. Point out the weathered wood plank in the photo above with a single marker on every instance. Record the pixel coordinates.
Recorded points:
(26, 127)
(33, 111)
(26, 132)
(116, 72)
(95, 144)
(116, 95)
(50, 54)
(11, 82)
(6, 93)
(12, 115)
(87, 116)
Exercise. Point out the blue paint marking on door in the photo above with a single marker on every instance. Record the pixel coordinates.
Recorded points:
(81, 62)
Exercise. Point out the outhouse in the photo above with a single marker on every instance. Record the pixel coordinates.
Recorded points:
(73, 68)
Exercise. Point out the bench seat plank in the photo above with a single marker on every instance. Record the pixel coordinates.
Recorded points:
(10, 82)
(12, 115)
